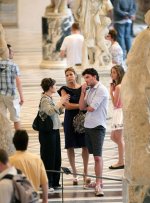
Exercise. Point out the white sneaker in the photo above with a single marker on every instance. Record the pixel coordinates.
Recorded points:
(51, 189)
(98, 191)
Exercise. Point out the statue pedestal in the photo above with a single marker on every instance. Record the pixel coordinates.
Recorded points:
(133, 193)
(53, 64)
(55, 27)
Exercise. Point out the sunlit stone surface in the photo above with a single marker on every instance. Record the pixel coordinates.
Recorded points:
(136, 109)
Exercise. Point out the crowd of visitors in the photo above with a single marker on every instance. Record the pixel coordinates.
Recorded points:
(91, 98)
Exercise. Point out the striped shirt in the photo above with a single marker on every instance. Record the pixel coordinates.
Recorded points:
(8, 73)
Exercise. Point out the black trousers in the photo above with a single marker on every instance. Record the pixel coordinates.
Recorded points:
(50, 151)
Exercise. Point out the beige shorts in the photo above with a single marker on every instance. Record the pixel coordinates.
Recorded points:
(13, 106)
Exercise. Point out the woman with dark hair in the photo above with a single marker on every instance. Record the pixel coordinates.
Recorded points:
(50, 149)
(115, 49)
(73, 139)
(117, 73)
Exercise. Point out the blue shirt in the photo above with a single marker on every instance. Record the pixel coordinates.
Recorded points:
(122, 9)
(97, 98)
(8, 73)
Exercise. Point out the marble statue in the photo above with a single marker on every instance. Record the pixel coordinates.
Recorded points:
(136, 110)
(3, 45)
(90, 14)
(6, 135)
(102, 48)
(56, 25)
(57, 6)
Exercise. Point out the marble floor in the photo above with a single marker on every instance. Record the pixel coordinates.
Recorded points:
(28, 55)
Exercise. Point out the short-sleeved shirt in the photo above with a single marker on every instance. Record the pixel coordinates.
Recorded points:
(8, 73)
(97, 98)
(32, 166)
(73, 46)
(116, 53)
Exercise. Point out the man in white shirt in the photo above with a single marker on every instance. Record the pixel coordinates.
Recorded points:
(95, 101)
(72, 46)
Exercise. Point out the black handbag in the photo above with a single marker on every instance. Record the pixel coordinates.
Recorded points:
(42, 122)
(78, 122)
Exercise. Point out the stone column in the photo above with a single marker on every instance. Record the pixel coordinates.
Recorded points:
(136, 111)
(6, 135)
(56, 26)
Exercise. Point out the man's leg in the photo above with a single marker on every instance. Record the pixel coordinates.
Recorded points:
(128, 36)
(14, 110)
(98, 169)
(120, 28)
(3, 107)
(98, 172)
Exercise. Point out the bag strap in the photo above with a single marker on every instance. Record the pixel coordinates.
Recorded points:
(10, 176)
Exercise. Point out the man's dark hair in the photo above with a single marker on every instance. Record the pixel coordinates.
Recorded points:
(20, 140)
(3, 156)
(46, 83)
(75, 26)
(113, 34)
(91, 71)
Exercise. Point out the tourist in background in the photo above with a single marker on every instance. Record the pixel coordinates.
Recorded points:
(124, 14)
(115, 49)
(72, 46)
(29, 163)
(117, 73)
(9, 84)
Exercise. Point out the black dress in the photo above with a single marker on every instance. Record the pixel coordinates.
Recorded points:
(72, 138)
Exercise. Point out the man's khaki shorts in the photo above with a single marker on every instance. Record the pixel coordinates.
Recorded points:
(13, 106)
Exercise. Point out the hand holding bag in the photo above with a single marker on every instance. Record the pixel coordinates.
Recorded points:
(78, 122)
(42, 122)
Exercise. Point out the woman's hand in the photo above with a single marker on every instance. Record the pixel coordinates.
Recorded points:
(112, 88)
(64, 98)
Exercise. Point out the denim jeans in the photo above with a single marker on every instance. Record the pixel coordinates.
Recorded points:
(124, 36)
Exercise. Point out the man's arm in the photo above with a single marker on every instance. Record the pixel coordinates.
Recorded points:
(63, 48)
(82, 104)
(62, 53)
(19, 87)
(45, 193)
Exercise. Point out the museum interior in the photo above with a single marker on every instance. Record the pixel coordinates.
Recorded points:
(35, 29)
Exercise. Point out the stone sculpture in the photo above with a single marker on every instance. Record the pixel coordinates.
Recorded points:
(136, 109)
(57, 6)
(90, 14)
(3, 45)
(6, 135)
(5, 128)
(102, 48)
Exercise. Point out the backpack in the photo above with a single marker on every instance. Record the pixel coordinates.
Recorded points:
(23, 190)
